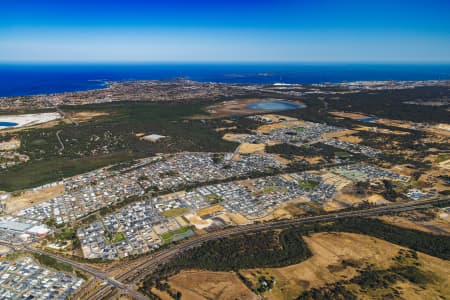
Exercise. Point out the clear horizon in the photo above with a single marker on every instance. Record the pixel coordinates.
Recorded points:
(265, 31)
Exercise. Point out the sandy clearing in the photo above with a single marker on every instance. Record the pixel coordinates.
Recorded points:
(238, 219)
(30, 197)
(12, 144)
(247, 148)
(337, 134)
(445, 164)
(285, 124)
(225, 128)
(210, 210)
(325, 266)
(381, 130)
(87, 115)
(350, 115)
(279, 118)
(200, 285)
(437, 225)
(232, 137)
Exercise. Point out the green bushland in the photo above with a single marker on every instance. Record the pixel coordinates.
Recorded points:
(110, 139)
(213, 199)
(167, 237)
(263, 249)
(331, 291)
(308, 184)
(319, 149)
(118, 236)
(442, 157)
(175, 212)
(53, 263)
(39, 172)
(342, 154)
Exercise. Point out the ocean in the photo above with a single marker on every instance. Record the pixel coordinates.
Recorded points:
(30, 79)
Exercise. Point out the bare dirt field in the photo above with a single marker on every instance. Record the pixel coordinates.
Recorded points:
(440, 130)
(437, 225)
(12, 144)
(234, 136)
(247, 148)
(349, 115)
(285, 124)
(445, 164)
(279, 118)
(326, 266)
(30, 197)
(330, 249)
(339, 134)
(87, 115)
(210, 210)
(381, 130)
(200, 285)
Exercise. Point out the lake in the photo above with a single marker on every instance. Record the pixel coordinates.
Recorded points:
(8, 124)
(274, 105)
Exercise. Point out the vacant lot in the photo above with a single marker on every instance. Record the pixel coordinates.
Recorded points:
(338, 256)
(30, 197)
(199, 285)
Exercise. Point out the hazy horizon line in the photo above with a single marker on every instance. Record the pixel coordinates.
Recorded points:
(225, 62)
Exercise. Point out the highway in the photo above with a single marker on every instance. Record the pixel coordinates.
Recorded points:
(151, 262)
(127, 280)
(92, 271)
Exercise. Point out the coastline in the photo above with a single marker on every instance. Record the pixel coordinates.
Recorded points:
(34, 80)
(188, 91)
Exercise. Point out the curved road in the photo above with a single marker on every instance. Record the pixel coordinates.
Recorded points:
(126, 281)
(150, 263)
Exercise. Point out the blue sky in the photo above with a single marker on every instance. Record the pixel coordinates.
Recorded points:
(225, 31)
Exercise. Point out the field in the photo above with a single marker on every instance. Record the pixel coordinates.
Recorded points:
(9, 145)
(337, 257)
(247, 148)
(435, 224)
(175, 212)
(168, 236)
(197, 285)
(30, 197)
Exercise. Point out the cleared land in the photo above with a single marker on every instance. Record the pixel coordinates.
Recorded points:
(345, 259)
(32, 197)
(83, 116)
(437, 225)
(332, 250)
(199, 285)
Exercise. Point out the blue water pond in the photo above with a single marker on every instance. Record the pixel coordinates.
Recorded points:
(274, 105)
(368, 119)
(8, 124)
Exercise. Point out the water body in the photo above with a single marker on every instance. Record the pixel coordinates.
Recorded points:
(274, 105)
(27, 79)
(8, 124)
(368, 119)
